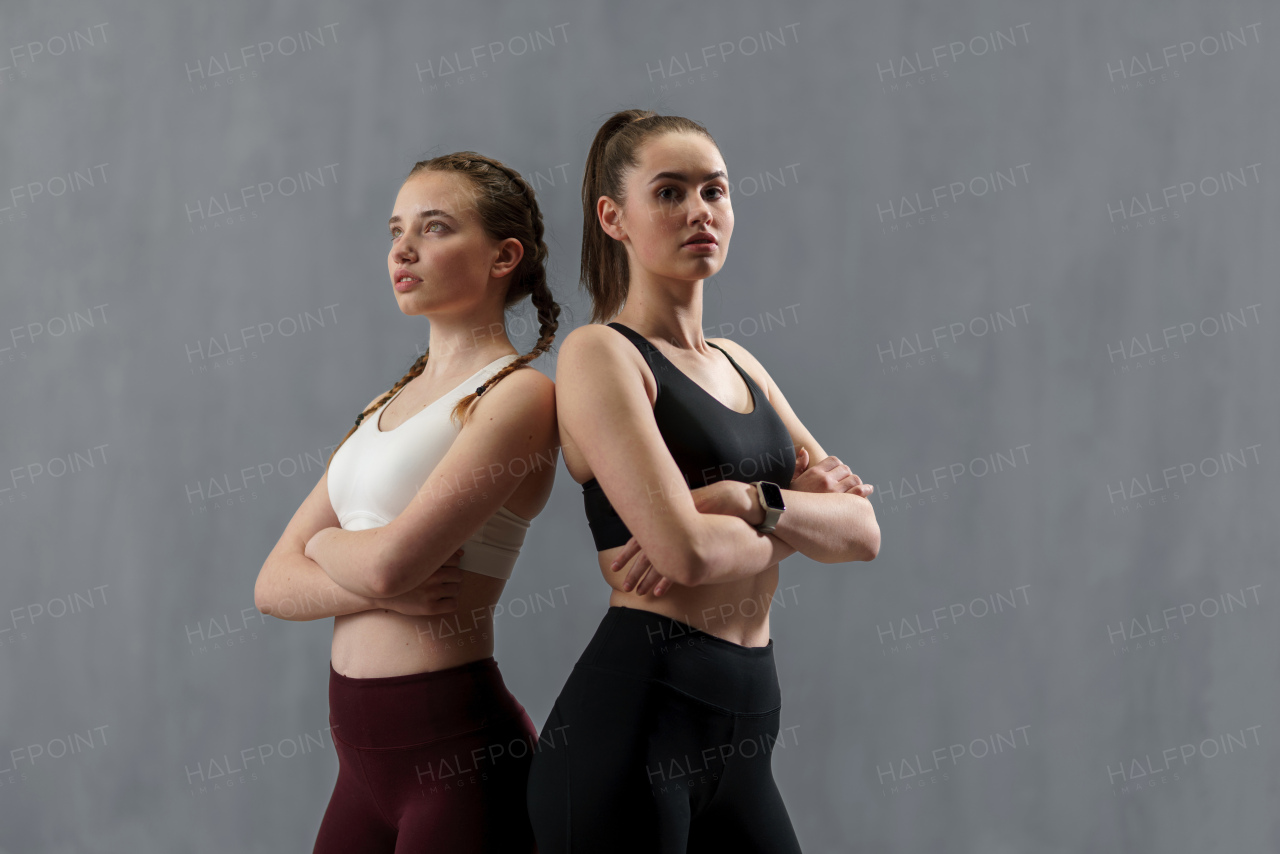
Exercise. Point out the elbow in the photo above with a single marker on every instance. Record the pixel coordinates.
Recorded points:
(864, 538)
(692, 566)
(679, 560)
(388, 573)
(384, 582)
(690, 572)
(871, 542)
(261, 598)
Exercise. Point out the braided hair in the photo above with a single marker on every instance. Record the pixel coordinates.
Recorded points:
(507, 207)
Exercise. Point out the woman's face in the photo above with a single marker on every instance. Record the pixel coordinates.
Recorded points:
(678, 189)
(440, 249)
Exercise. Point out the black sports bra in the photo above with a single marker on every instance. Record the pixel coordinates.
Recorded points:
(708, 440)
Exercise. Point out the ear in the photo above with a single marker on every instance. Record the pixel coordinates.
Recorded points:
(510, 252)
(610, 217)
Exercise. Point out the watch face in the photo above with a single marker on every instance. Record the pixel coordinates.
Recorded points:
(772, 495)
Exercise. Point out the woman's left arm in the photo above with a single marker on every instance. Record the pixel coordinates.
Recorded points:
(827, 519)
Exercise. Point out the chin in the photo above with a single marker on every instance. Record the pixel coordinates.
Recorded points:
(411, 304)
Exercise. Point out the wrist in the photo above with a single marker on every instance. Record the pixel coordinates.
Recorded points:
(751, 511)
(770, 500)
(370, 603)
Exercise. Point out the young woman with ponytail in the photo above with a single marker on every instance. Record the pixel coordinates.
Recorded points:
(661, 739)
(410, 535)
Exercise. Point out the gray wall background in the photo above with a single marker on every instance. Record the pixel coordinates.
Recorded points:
(1113, 648)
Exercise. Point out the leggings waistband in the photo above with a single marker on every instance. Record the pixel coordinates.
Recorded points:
(415, 708)
(738, 679)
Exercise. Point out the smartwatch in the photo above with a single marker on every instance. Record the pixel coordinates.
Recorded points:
(770, 495)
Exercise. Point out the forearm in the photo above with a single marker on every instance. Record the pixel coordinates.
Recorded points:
(295, 587)
(730, 548)
(829, 527)
(351, 559)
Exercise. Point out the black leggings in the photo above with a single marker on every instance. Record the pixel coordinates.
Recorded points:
(661, 741)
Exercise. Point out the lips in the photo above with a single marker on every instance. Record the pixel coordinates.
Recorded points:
(701, 237)
(403, 275)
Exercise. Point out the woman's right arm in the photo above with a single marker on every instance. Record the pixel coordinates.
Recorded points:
(603, 405)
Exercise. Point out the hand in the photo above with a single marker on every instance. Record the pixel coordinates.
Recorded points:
(643, 575)
(721, 497)
(829, 475)
(437, 595)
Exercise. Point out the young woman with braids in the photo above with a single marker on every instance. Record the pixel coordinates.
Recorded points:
(669, 716)
(410, 535)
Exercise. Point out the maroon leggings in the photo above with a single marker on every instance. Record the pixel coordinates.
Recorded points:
(435, 761)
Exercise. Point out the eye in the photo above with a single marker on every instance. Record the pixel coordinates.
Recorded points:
(393, 233)
(663, 190)
(436, 222)
(719, 190)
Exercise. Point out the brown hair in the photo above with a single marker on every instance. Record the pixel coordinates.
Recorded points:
(507, 207)
(604, 269)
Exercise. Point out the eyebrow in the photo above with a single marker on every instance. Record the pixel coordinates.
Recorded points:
(424, 215)
(680, 176)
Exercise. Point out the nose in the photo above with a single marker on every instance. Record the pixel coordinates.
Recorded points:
(699, 212)
(404, 251)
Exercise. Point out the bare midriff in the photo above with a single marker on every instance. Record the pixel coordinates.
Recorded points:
(381, 642)
(736, 611)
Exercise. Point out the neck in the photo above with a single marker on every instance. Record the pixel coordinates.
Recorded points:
(667, 309)
(463, 344)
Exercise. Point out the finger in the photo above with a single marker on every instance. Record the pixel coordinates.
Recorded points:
(638, 569)
(651, 581)
(841, 480)
(651, 578)
(435, 590)
(447, 573)
(662, 586)
(628, 551)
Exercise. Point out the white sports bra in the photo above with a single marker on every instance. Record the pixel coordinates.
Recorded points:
(376, 473)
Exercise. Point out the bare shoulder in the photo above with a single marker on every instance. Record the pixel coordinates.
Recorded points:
(592, 338)
(526, 390)
(596, 350)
